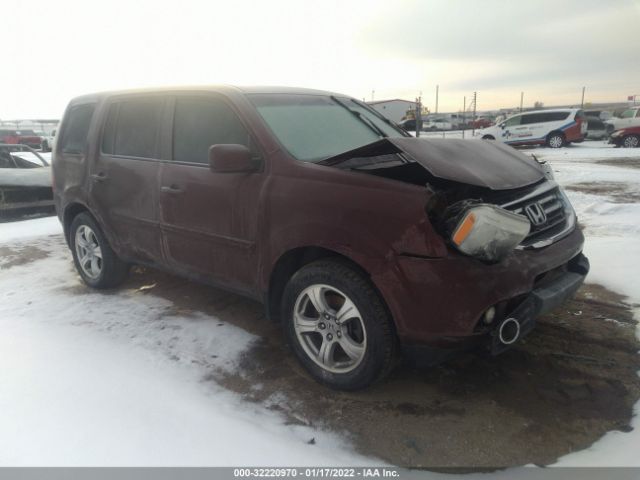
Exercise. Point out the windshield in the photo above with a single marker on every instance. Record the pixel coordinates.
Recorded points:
(315, 127)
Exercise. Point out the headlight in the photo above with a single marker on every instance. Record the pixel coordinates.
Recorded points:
(617, 133)
(489, 232)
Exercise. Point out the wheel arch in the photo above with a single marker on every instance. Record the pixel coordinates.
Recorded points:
(293, 260)
(71, 211)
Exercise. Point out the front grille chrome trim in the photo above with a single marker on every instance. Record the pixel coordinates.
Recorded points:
(552, 198)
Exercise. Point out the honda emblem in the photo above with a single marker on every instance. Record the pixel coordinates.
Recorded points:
(536, 214)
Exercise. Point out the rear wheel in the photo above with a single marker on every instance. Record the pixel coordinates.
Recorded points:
(631, 141)
(95, 260)
(555, 140)
(337, 326)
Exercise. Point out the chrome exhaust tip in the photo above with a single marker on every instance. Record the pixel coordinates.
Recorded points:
(509, 331)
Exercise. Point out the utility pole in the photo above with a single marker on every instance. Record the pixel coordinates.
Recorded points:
(582, 101)
(418, 115)
(521, 100)
(464, 107)
(473, 125)
(437, 88)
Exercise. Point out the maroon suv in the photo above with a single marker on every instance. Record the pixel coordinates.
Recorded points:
(360, 239)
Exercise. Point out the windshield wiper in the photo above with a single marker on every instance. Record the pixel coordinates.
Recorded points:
(362, 118)
(392, 124)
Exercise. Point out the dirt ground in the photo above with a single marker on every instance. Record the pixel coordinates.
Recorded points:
(559, 390)
(617, 192)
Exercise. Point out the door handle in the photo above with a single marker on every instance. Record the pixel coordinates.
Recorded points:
(171, 189)
(99, 177)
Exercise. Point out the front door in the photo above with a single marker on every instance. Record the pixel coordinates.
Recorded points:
(124, 178)
(209, 221)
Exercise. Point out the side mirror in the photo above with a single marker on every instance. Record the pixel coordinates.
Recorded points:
(231, 158)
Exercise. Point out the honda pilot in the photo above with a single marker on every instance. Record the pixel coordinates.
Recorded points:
(364, 242)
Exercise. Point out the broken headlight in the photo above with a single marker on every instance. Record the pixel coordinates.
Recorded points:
(487, 232)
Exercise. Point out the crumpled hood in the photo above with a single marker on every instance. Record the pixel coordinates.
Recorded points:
(482, 163)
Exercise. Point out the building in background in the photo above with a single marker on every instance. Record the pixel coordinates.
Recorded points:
(395, 109)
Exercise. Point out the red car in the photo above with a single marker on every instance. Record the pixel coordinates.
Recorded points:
(626, 137)
(21, 137)
(360, 239)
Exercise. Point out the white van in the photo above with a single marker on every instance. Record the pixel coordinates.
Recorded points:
(554, 128)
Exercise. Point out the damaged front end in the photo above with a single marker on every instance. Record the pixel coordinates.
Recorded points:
(486, 199)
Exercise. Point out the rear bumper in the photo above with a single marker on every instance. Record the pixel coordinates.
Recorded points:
(542, 299)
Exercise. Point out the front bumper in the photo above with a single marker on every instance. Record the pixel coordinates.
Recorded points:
(542, 299)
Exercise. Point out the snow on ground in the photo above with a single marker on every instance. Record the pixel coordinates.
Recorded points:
(93, 379)
(612, 230)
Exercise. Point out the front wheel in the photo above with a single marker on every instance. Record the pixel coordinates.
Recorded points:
(631, 141)
(555, 140)
(95, 260)
(337, 326)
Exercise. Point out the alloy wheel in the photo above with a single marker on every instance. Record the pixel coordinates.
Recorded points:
(631, 141)
(329, 328)
(556, 141)
(88, 252)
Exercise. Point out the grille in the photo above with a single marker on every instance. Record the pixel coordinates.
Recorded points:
(555, 223)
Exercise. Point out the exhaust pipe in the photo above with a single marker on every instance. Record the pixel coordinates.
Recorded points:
(509, 331)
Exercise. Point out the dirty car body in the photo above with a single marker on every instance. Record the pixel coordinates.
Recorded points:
(25, 180)
(322, 181)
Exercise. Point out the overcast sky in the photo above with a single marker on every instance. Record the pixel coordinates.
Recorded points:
(549, 49)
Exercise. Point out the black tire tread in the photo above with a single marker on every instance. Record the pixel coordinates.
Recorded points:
(356, 280)
(114, 270)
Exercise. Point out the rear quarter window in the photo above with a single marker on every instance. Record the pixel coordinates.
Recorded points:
(74, 136)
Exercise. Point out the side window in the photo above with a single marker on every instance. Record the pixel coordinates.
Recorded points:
(137, 124)
(513, 121)
(200, 122)
(74, 136)
(558, 116)
(638, 113)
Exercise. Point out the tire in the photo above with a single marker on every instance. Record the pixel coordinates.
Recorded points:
(631, 141)
(45, 146)
(317, 338)
(95, 260)
(555, 140)
(488, 137)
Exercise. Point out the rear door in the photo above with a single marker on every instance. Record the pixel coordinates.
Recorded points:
(209, 220)
(124, 177)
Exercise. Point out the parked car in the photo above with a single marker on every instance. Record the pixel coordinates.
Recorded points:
(596, 129)
(626, 137)
(47, 141)
(23, 137)
(553, 128)
(600, 114)
(438, 124)
(25, 180)
(628, 118)
(481, 122)
(360, 239)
